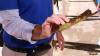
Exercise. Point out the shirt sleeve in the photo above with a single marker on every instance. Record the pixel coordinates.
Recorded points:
(14, 25)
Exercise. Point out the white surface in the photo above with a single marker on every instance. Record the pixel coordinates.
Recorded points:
(76, 8)
(80, 0)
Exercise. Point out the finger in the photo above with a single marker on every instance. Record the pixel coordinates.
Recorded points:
(53, 20)
(63, 17)
(60, 20)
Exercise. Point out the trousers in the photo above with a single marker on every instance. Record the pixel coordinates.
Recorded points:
(8, 52)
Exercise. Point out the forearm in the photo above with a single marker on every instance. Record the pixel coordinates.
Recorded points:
(15, 26)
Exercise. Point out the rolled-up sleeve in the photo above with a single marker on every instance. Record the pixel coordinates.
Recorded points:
(16, 26)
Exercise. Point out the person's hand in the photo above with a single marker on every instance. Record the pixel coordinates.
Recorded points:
(57, 19)
(45, 31)
(60, 40)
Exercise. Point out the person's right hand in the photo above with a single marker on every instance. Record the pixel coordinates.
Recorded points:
(45, 31)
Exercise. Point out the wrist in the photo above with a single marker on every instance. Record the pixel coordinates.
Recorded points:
(36, 32)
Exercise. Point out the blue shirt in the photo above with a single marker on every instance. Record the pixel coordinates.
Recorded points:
(33, 11)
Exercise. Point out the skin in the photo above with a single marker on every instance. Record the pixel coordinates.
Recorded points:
(55, 24)
(44, 31)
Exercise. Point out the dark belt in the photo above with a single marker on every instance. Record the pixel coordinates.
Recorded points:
(32, 51)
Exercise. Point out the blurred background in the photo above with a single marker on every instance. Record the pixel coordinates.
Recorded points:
(82, 39)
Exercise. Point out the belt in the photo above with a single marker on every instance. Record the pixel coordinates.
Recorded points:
(32, 51)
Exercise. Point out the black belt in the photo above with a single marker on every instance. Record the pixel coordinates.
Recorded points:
(32, 51)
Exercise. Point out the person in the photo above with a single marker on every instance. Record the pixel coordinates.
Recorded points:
(28, 27)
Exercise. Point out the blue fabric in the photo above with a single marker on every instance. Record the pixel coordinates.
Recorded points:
(33, 11)
(16, 43)
(8, 4)
(98, 1)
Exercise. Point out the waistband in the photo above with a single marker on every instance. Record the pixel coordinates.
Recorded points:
(33, 51)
